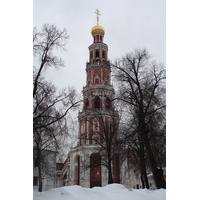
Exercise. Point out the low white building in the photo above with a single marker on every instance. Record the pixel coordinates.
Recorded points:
(76, 172)
(48, 170)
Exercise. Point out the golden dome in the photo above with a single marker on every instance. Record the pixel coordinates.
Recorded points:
(97, 29)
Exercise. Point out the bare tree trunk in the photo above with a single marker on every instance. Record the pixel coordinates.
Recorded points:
(157, 173)
(142, 178)
(110, 177)
(146, 180)
(40, 179)
(129, 178)
(142, 163)
(39, 170)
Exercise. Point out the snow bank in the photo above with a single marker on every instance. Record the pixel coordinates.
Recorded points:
(109, 192)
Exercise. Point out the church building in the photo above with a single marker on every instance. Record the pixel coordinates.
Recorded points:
(90, 162)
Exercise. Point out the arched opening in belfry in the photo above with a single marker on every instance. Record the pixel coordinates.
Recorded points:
(97, 54)
(101, 40)
(95, 170)
(86, 103)
(91, 56)
(96, 102)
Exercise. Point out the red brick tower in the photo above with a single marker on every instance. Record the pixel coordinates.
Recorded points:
(98, 110)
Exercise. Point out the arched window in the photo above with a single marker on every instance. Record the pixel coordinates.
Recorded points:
(96, 79)
(104, 54)
(100, 38)
(86, 103)
(96, 102)
(97, 54)
(91, 56)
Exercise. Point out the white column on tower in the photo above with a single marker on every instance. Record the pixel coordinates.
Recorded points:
(92, 76)
(101, 75)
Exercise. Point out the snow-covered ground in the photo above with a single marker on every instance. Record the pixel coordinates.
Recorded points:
(109, 192)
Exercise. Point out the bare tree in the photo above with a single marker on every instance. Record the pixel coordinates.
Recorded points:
(49, 122)
(141, 86)
(133, 147)
(50, 106)
(45, 42)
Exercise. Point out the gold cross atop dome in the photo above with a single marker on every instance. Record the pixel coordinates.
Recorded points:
(98, 13)
(97, 28)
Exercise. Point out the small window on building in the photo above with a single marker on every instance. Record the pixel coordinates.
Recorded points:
(100, 38)
(111, 126)
(91, 56)
(104, 54)
(97, 54)
(96, 80)
(86, 103)
(96, 102)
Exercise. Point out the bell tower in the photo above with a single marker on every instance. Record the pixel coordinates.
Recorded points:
(98, 92)
(95, 160)
(98, 116)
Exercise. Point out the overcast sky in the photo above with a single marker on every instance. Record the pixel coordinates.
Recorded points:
(128, 24)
